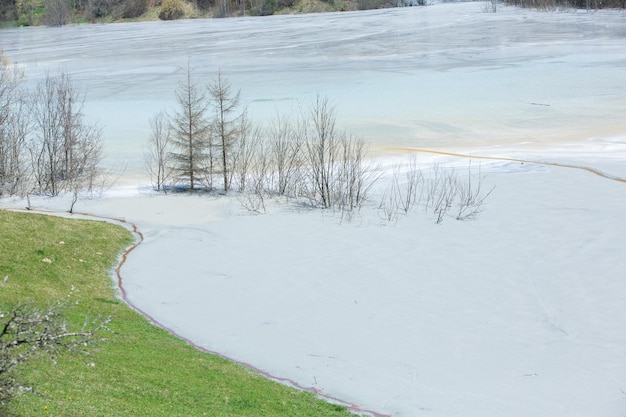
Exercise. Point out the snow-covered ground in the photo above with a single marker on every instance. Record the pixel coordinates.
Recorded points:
(517, 313)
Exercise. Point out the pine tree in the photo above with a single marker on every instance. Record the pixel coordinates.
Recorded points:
(191, 157)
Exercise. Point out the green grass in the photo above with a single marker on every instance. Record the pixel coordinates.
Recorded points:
(139, 370)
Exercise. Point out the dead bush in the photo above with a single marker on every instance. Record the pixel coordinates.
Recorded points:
(172, 9)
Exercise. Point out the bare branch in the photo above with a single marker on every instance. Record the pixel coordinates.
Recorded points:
(28, 331)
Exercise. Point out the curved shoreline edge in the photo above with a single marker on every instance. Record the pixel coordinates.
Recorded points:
(285, 381)
(139, 238)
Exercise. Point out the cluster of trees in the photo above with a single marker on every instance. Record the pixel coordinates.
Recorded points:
(46, 147)
(210, 144)
(61, 12)
(561, 4)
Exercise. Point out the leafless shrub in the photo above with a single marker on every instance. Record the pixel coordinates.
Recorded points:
(355, 176)
(568, 4)
(431, 185)
(15, 124)
(321, 154)
(411, 195)
(439, 193)
(252, 197)
(471, 195)
(10, 80)
(14, 172)
(337, 172)
(85, 170)
(245, 155)
(156, 156)
(388, 209)
(287, 137)
(445, 188)
(27, 331)
(57, 12)
(252, 201)
(402, 195)
(65, 151)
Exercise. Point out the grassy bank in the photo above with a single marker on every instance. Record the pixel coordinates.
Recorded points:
(139, 370)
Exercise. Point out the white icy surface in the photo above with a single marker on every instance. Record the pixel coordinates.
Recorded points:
(519, 313)
(437, 76)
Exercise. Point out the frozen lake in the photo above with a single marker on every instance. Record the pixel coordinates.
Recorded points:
(443, 76)
(520, 313)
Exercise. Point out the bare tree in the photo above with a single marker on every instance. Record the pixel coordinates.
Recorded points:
(27, 331)
(14, 126)
(338, 172)
(84, 169)
(404, 192)
(287, 138)
(226, 126)
(414, 179)
(191, 156)
(322, 152)
(249, 146)
(471, 195)
(66, 151)
(222, 8)
(14, 172)
(10, 80)
(389, 206)
(47, 148)
(357, 174)
(446, 188)
(158, 152)
(253, 197)
(57, 12)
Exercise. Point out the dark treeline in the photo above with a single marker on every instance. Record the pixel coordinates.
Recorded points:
(561, 4)
(61, 12)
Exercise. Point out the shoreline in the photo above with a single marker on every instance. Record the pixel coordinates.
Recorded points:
(239, 299)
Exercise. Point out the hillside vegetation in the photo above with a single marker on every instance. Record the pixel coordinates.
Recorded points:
(61, 12)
